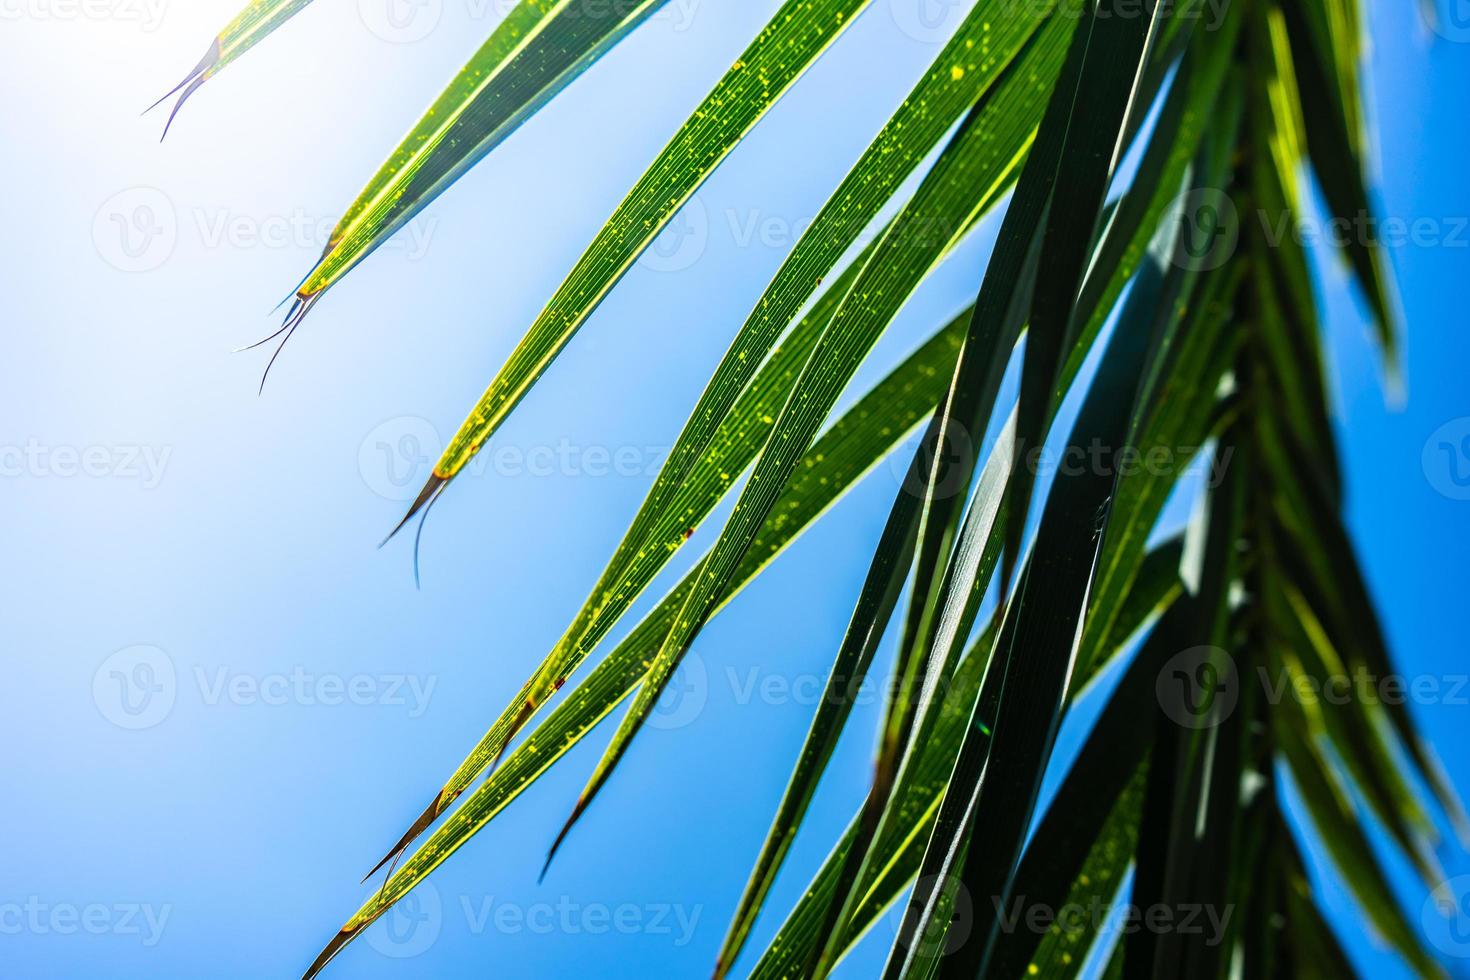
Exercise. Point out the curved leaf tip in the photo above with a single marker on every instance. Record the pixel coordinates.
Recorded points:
(188, 86)
(424, 821)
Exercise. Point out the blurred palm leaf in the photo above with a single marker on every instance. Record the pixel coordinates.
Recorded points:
(1157, 319)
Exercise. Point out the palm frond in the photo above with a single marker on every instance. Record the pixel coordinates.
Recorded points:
(1208, 357)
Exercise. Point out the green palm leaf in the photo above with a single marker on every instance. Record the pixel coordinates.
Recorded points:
(536, 51)
(1048, 97)
(997, 134)
(728, 454)
(849, 449)
(251, 26)
(899, 852)
(1035, 655)
(963, 185)
(795, 37)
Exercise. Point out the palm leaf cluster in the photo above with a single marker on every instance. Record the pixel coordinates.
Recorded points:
(1144, 296)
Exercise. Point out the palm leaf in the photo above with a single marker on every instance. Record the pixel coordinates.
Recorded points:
(1233, 357)
(251, 26)
(789, 44)
(536, 51)
(1094, 119)
(1005, 288)
(835, 706)
(961, 72)
(899, 852)
(1337, 827)
(852, 446)
(1011, 733)
(728, 454)
(962, 185)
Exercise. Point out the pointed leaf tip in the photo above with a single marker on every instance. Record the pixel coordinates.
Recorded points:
(334, 947)
(432, 488)
(577, 812)
(425, 819)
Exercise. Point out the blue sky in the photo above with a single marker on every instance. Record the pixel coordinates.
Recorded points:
(167, 529)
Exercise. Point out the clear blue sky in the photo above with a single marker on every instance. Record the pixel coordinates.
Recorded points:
(158, 516)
